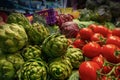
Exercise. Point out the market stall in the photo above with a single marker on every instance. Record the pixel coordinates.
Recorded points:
(60, 40)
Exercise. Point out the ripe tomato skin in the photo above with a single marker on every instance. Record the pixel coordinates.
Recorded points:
(99, 38)
(113, 40)
(91, 49)
(102, 30)
(117, 71)
(105, 78)
(85, 33)
(109, 52)
(106, 69)
(78, 43)
(87, 70)
(99, 60)
(92, 26)
(116, 32)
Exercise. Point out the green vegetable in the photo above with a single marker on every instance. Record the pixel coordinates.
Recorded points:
(31, 52)
(109, 25)
(102, 14)
(38, 33)
(9, 65)
(7, 71)
(54, 46)
(20, 19)
(33, 69)
(12, 38)
(16, 59)
(60, 68)
(74, 75)
(75, 55)
(86, 14)
(83, 24)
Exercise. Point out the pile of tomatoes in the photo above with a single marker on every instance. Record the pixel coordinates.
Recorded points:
(101, 48)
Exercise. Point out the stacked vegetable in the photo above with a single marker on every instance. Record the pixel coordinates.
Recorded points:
(72, 51)
(29, 51)
(101, 48)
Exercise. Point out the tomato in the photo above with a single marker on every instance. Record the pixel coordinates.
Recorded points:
(117, 71)
(91, 49)
(106, 69)
(99, 38)
(78, 43)
(105, 78)
(113, 40)
(78, 35)
(116, 32)
(85, 33)
(88, 70)
(99, 60)
(111, 53)
(92, 26)
(102, 30)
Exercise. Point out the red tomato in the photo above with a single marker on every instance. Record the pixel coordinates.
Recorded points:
(102, 30)
(105, 78)
(88, 69)
(113, 40)
(111, 53)
(91, 49)
(78, 43)
(92, 26)
(106, 69)
(116, 32)
(117, 71)
(78, 35)
(99, 60)
(99, 38)
(86, 33)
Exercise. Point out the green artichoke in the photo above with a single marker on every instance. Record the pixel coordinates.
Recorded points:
(75, 55)
(31, 52)
(33, 69)
(12, 38)
(7, 70)
(60, 68)
(38, 33)
(54, 46)
(16, 59)
(20, 19)
(9, 65)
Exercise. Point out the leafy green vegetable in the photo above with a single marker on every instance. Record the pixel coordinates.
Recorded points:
(83, 24)
(109, 25)
(74, 75)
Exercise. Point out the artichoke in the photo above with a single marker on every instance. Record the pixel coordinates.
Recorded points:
(38, 33)
(9, 65)
(20, 19)
(12, 38)
(7, 71)
(31, 52)
(54, 46)
(60, 68)
(75, 55)
(16, 59)
(33, 69)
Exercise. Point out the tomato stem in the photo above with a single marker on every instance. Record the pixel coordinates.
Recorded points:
(117, 53)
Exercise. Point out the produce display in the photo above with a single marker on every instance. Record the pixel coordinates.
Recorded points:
(82, 48)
